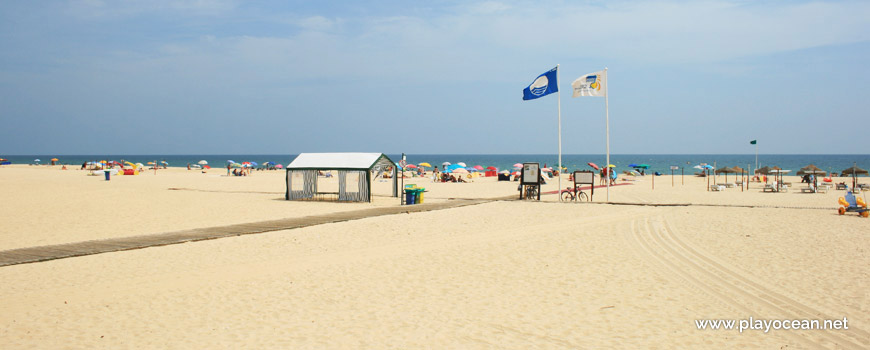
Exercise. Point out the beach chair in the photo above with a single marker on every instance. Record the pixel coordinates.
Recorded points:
(769, 187)
(717, 188)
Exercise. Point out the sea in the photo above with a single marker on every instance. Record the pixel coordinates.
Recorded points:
(657, 162)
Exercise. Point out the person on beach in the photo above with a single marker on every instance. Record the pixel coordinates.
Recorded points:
(228, 169)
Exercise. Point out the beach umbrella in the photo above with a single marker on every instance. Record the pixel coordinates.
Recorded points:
(202, 162)
(473, 170)
(37, 160)
(445, 163)
(150, 163)
(425, 164)
(230, 161)
(505, 172)
(206, 167)
(854, 171)
(643, 166)
(518, 165)
(811, 169)
(478, 167)
(462, 164)
(460, 171)
(726, 171)
(547, 170)
(515, 173)
(411, 166)
(632, 165)
(492, 168)
(236, 165)
(140, 165)
(164, 162)
(447, 170)
(54, 159)
(611, 166)
(279, 166)
(593, 165)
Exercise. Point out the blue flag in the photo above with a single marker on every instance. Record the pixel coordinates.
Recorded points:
(544, 85)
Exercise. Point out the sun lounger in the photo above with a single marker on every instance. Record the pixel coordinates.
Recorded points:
(717, 187)
(773, 188)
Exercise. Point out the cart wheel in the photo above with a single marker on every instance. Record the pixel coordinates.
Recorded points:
(865, 213)
(841, 210)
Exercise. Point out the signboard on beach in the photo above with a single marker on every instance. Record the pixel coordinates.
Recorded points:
(674, 167)
(531, 173)
(584, 177)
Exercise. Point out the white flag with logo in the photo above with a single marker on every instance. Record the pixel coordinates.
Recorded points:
(592, 84)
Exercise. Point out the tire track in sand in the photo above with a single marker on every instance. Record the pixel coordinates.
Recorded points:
(661, 244)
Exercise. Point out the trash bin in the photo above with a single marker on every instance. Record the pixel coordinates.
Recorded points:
(410, 196)
(420, 195)
(108, 174)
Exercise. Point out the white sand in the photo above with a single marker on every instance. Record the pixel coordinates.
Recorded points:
(506, 274)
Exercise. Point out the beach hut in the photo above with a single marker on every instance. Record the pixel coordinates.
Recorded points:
(363, 165)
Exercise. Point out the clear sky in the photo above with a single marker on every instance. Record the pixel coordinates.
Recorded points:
(277, 77)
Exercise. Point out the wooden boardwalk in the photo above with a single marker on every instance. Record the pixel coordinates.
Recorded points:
(60, 251)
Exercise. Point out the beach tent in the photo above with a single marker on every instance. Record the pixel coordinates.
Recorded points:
(364, 165)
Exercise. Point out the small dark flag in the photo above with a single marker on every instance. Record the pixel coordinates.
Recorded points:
(753, 142)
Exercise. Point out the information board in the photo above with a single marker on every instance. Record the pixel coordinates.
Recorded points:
(531, 173)
(584, 177)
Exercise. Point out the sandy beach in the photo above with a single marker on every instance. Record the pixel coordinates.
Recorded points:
(502, 274)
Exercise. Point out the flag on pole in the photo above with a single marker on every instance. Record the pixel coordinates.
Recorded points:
(753, 142)
(592, 84)
(543, 85)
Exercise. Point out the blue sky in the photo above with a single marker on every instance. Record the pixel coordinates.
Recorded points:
(275, 77)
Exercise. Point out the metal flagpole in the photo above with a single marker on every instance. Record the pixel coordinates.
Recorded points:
(756, 154)
(559, 99)
(607, 129)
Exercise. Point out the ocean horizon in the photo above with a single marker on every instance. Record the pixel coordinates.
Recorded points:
(657, 162)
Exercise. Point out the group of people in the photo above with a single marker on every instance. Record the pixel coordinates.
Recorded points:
(237, 171)
(607, 173)
(438, 176)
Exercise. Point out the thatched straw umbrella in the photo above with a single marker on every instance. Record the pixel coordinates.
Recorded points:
(854, 171)
(726, 171)
(812, 170)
